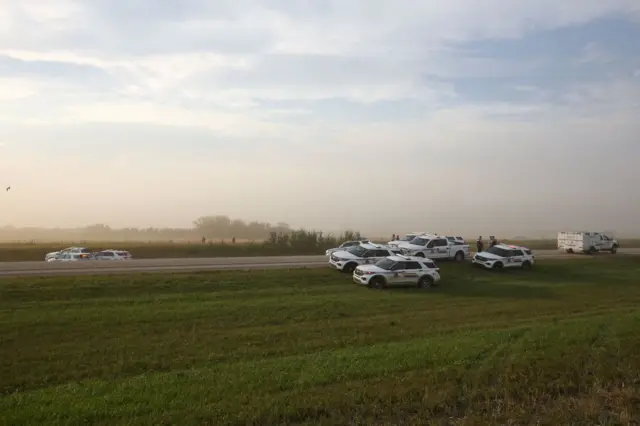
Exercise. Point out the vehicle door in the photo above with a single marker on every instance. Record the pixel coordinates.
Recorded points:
(409, 274)
(441, 246)
(605, 243)
(396, 276)
(515, 259)
(369, 257)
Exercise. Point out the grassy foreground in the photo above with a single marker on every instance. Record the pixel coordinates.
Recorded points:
(558, 345)
(17, 252)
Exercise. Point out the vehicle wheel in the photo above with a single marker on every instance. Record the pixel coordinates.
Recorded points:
(377, 282)
(592, 250)
(350, 267)
(459, 257)
(425, 282)
(420, 254)
(614, 249)
(526, 265)
(569, 251)
(498, 266)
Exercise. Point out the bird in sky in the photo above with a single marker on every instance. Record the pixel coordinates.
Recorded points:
(8, 188)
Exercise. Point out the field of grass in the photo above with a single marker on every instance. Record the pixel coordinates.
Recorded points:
(16, 252)
(557, 345)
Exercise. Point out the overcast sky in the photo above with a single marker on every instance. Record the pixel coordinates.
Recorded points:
(474, 116)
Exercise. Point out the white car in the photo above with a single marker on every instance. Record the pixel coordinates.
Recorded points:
(346, 245)
(408, 237)
(586, 242)
(398, 269)
(112, 255)
(348, 260)
(70, 257)
(56, 254)
(505, 256)
(436, 247)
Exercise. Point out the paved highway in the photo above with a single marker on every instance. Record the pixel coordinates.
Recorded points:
(12, 269)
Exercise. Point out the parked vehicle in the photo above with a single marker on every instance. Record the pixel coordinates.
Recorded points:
(436, 247)
(56, 254)
(348, 260)
(346, 245)
(586, 242)
(398, 270)
(505, 256)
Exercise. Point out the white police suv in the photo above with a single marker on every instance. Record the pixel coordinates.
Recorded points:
(398, 270)
(505, 256)
(368, 253)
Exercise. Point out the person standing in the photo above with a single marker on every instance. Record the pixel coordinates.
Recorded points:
(479, 244)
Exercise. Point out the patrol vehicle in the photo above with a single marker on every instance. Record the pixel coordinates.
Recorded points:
(346, 245)
(437, 247)
(368, 253)
(408, 237)
(398, 270)
(505, 256)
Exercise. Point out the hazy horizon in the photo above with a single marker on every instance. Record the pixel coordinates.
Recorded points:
(377, 116)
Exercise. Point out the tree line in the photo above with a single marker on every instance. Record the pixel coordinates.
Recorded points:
(215, 228)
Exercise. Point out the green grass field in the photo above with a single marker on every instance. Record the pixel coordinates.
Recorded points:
(559, 345)
(15, 252)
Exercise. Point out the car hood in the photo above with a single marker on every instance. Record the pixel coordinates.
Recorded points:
(408, 246)
(488, 255)
(371, 268)
(53, 253)
(344, 254)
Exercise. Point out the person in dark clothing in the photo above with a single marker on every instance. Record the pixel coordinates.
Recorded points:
(479, 244)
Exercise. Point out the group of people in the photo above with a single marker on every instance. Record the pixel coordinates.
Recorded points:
(480, 244)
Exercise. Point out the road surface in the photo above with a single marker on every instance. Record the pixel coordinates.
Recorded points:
(92, 267)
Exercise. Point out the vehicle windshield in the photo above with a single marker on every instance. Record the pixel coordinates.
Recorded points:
(498, 251)
(419, 241)
(358, 251)
(385, 264)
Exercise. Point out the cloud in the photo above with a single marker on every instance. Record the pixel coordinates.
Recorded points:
(276, 95)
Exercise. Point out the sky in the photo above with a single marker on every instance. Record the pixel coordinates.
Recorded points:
(466, 116)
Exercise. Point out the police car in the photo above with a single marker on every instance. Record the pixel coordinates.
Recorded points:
(368, 253)
(504, 256)
(437, 247)
(346, 245)
(398, 269)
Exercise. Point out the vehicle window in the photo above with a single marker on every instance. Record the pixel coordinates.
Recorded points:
(498, 251)
(398, 266)
(516, 252)
(385, 264)
(430, 265)
(382, 253)
(431, 244)
(412, 265)
(451, 238)
(528, 251)
(418, 241)
(358, 251)
(107, 254)
(440, 242)
(369, 253)
(85, 250)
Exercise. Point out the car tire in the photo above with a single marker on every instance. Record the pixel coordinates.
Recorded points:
(569, 251)
(426, 282)
(377, 283)
(350, 267)
(459, 257)
(614, 249)
(526, 265)
(498, 266)
(592, 250)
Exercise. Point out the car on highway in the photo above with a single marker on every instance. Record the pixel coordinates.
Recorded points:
(346, 245)
(367, 253)
(437, 247)
(111, 254)
(56, 254)
(70, 257)
(503, 256)
(398, 270)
